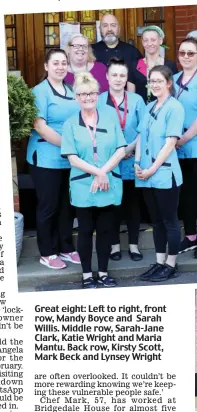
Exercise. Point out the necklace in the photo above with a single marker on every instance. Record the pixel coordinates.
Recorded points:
(75, 72)
(153, 116)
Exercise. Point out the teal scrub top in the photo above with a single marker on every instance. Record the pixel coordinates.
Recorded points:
(188, 98)
(55, 109)
(135, 112)
(154, 129)
(77, 141)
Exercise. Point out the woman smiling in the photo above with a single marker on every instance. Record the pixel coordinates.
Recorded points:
(94, 147)
(129, 109)
(186, 93)
(158, 171)
(81, 59)
(50, 173)
(152, 40)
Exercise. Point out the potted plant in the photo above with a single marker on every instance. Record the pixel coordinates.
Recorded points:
(22, 112)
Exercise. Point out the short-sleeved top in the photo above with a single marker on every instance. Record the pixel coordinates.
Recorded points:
(188, 98)
(77, 141)
(135, 112)
(154, 129)
(138, 76)
(123, 50)
(98, 71)
(54, 109)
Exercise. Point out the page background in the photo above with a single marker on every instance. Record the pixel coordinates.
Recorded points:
(179, 299)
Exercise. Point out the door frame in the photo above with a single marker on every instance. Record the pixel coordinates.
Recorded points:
(169, 30)
(30, 38)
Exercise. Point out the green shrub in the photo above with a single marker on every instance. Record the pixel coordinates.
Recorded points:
(22, 109)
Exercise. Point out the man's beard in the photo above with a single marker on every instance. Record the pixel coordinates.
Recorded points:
(110, 38)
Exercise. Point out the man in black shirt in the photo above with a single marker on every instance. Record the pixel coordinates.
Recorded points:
(110, 45)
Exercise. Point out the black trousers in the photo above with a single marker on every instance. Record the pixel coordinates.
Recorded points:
(162, 205)
(130, 211)
(101, 220)
(188, 197)
(54, 215)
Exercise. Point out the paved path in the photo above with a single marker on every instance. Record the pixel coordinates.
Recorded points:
(182, 278)
(33, 276)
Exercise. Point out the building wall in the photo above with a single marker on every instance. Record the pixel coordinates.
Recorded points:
(15, 186)
(185, 21)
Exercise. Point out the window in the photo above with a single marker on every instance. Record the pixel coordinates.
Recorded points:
(10, 28)
(87, 19)
(154, 15)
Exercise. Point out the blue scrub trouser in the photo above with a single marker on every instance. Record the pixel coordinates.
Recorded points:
(54, 214)
(162, 206)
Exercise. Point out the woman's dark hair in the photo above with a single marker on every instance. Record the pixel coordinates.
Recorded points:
(116, 61)
(166, 73)
(192, 40)
(48, 56)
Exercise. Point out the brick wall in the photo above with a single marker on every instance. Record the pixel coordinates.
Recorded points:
(185, 21)
(16, 203)
(15, 185)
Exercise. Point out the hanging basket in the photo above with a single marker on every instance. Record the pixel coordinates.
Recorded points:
(19, 228)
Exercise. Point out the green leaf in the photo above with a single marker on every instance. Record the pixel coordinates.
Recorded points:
(22, 108)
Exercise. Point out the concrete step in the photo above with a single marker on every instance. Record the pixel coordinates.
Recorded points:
(30, 248)
(32, 274)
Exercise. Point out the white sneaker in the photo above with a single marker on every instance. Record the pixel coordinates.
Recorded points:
(71, 257)
(52, 262)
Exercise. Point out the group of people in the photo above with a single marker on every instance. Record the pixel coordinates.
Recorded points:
(111, 126)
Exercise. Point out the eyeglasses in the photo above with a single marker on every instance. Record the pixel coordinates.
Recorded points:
(189, 53)
(85, 95)
(159, 81)
(78, 46)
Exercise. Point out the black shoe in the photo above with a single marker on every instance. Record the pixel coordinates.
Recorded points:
(164, 273)
(107, 281)
(115, 256)
(187, 244)
(153, 269)
(89, 283)
(135, 256)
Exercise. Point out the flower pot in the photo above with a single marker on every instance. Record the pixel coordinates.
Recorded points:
(19, 228)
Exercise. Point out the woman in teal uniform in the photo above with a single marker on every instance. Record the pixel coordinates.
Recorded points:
(185, 84)
(94, 146)
(50, 173)
(129, 108)
(158, 171)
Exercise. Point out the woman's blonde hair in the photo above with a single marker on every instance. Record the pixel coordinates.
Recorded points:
(85, 79)
(91, 56)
